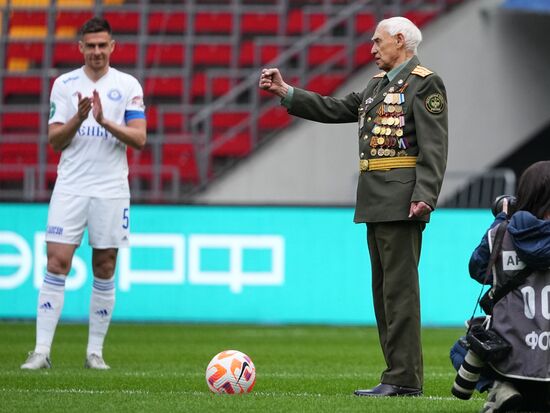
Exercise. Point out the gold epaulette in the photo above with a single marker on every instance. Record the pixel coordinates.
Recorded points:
(421, 71)
(381, 74)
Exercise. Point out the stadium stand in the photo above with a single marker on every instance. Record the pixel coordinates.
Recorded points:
(198, 62)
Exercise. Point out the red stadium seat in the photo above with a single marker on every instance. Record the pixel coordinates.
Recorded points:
(28, 18)
(320, 53)
(219, 85)
(165, 54)
(274, 118)
(157, 86)
(420, 17)
(140, 163)
(151, 114)
(252, 55)
(365, 23)
(300, 22)
(362, 54)
(68, 22)
(22, 86)
(124, 22)
(125, 54)
(167, 23)
(224, 120)
(213, 22)
(14, 157)
(182, 156)
(207, 54)
(236, 144)
(259, 23)
(325, 84)
(66, 54)
(20, 122)
(52, 160)
(31, 51)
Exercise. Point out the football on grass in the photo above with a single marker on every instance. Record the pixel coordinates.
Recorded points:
(231, 372)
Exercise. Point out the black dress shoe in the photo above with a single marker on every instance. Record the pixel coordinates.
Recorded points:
(388, 390)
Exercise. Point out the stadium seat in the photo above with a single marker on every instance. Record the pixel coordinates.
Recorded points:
(68, 22)
(66, 55)
(212, 54)
(17, 156)
(182, 156)
(299, 22)
(362, 54)
(325, 84)
(123, 22)
(19, 122)
(227, 119)
(420, 17)
(259, 23)
(27, 24)
(52, 160)
(22, 51)
(213, 22)
(320, 53)
(140, 163)
(165, 54)
(250, 54)
(151, 114)
(218, 85)
(77, 4)
(125, 54)
(365, 23)
(163, 22)
(30, 3)
(167, 89)
(274, 118)
(238, 144)
(19, 87)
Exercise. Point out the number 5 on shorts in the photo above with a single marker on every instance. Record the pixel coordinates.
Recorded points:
(125, 218)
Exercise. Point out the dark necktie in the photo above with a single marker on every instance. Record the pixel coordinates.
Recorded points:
(383, 83)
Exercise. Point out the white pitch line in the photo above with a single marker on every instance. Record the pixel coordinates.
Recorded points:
(194, 393)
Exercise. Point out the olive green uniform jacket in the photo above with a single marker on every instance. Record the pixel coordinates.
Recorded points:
(386, 195)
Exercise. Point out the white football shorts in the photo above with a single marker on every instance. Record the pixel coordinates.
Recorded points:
(107, 220)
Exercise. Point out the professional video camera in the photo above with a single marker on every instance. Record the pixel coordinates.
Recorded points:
(498, 204)
(484, 345)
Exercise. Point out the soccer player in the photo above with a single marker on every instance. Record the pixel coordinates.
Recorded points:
(95, 112)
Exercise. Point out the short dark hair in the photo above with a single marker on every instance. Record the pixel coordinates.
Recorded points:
(95, 25)
(534, 189)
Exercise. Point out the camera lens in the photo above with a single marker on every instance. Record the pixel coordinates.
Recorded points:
(498, 204)
(467, 376)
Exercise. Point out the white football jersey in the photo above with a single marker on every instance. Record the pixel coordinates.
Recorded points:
(94, 163)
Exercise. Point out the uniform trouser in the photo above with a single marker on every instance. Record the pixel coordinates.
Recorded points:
(394, 249)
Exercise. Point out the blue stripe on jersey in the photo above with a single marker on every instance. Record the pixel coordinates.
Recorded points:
(133, 114)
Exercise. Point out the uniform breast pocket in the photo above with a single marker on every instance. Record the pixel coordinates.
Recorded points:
(402, 175)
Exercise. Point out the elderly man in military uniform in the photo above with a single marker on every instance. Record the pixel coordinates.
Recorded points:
(402, 134)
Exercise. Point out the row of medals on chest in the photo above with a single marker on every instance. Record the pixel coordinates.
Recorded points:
(387, 133)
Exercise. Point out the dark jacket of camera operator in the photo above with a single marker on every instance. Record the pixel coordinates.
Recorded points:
(531, 239)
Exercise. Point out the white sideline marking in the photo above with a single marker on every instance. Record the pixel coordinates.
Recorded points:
(197, 393)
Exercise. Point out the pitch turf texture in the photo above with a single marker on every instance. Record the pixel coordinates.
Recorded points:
(160, 368)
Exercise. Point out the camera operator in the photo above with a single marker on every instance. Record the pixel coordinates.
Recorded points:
(521, 305)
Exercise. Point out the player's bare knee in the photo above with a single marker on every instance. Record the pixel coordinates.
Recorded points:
(104, 263)
(58, 265)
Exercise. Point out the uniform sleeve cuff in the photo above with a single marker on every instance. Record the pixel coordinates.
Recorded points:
(286, 101)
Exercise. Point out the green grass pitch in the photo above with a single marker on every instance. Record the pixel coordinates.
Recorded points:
(160, 368)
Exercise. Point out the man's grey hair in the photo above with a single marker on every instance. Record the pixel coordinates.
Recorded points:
(407, 28)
